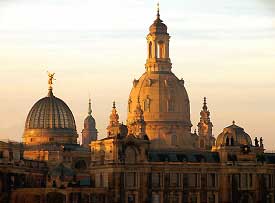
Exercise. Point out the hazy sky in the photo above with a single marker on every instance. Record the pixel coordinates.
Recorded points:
(224, 50)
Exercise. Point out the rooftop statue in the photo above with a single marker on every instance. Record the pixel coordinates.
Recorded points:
(51, 78)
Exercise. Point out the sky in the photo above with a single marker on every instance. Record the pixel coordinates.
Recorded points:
(223, 49)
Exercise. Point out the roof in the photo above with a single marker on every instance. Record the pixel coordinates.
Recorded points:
(61, 170)
(50, 112)
(184, 156)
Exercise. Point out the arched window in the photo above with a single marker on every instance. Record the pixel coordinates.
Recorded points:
(232, 141)
(130, 155)
(173, 140)
(150, 49)
(161, 49)
(227, 141)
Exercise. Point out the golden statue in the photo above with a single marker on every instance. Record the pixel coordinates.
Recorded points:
(51, 78)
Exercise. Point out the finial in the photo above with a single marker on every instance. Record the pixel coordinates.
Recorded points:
(158, 11)
(90, 108)
(50, 82)
(204, 104)
(233, 122)
(114, 104)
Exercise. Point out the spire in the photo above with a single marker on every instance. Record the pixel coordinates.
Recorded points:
(204, 104)
(90, 108)
(158, 15)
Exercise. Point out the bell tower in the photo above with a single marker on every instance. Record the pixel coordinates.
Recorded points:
(158, 47)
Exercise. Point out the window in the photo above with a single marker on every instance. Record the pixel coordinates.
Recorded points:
(150, 50)
(268, 180)
(193, 180)
(201, 143)
(155, 198)
(130, 179)
(174, 179)
(1, 154)
(131, 198)
(211, 198)
(211, 180)
(246, 180)
(170, 106)
(130, 155)
(156, 179)
(193, 198)
(161, 49)
(173, 140)
(99, 180)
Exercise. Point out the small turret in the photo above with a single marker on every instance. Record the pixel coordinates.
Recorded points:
(113, 128)
(206, 139)
(89, 133)
(137, 127)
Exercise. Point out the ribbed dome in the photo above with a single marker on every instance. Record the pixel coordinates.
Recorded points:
(233, 135)
(50, 112)
(50, 120)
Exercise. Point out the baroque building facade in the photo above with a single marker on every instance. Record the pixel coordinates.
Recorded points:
(154, 158)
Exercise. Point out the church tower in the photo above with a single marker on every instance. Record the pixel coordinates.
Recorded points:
(89, 133)
(206, 139)
(161, 95)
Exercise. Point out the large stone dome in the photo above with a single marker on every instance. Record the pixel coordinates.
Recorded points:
(163, 96)
(50, 120)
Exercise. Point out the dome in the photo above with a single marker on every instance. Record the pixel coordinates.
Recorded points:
(165, 104)
(50, 120)
(89, 122)
(163, 97)
(158, 27)
(233, 135)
